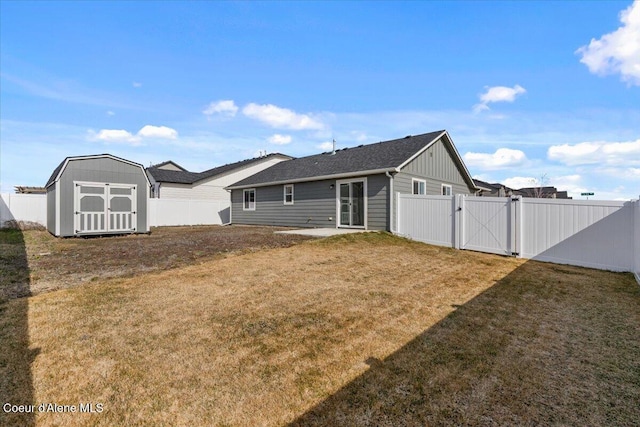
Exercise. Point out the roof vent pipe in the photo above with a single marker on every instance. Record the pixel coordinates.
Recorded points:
(334, 147)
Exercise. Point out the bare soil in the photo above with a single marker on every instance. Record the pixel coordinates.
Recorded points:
(33, 261)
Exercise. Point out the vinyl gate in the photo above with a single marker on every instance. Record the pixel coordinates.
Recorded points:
(104, 208)
(488, 225)
(597, 234)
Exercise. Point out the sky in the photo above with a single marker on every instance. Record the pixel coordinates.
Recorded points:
(530, 92)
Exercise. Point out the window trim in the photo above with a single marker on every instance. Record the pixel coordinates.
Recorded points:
(284, 193)
(245, 202)
(422, 181)
(449, 186)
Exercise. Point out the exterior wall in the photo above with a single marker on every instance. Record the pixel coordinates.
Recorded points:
(436, 166)
(104, 170)
(314, 205)
(213, 188)
(51, 209)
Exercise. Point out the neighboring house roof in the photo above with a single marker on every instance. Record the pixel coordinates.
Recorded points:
(186, 177)
(20, 189)
(387, 156)
(483, 185)
(168, 165)
(58, 170)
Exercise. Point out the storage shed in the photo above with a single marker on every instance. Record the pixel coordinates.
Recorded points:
(97, 194)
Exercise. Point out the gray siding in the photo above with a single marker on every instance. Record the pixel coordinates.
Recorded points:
(314, 205)
(378, 202)
(104, 170)
(51, 209)
(436, 166)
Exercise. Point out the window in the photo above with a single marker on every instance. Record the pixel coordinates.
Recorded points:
(249, 199)
(419, 186)
(446, 190)
(288, 194)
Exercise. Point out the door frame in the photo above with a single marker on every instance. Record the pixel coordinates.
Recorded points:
(106, 196)
(365, 201)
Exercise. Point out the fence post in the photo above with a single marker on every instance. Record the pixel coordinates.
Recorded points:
(458, 220)
(397, 219)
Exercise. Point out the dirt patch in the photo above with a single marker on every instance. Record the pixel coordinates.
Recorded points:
(54, 263)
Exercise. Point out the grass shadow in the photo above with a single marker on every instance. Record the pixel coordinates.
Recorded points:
(546, 345)
(16, 382)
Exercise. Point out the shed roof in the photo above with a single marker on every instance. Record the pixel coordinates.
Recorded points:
(186, 177)
(363, 159)
(60, 168)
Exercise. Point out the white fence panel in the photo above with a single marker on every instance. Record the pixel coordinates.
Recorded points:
(636, 239)
(597, 234)
(23, 207)
(167, 212)
(488, 224)
(428, 219)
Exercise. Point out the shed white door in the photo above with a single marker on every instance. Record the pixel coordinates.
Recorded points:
(104, 208)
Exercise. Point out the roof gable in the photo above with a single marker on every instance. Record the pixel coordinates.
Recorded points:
(60, 168)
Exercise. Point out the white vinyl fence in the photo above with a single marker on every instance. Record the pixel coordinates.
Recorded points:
(23, 207)
(162, 212)
(597, 234)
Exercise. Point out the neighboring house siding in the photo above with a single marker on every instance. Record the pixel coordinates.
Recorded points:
(213, 188)
(313, 204)
(99, 170)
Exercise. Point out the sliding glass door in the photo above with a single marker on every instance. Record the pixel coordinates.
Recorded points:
(351, 204)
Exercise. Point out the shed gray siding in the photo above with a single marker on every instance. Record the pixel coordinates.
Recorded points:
(103, 170)
(51, 209)
(314, 203)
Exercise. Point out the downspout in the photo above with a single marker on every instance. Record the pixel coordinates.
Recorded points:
(391, 202)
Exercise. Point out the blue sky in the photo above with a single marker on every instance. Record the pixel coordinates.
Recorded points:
(529, 91)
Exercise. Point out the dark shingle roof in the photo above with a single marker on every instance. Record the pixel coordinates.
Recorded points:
(186, 177)
(380, 156)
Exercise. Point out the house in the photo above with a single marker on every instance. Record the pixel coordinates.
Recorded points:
(97, 194)
(171, 181)
(351, 187)
(20, 189)
(499, 190)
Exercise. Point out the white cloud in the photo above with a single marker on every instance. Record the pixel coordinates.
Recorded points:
(279, 139)
(136, 84)
(163, 132)
(498, 94)
(502, 158)
(519, 182)
(282, 118)
(604, 153)
(225, 107)
(110, 113)
(619, 51)
(124, 136)
(116, 135)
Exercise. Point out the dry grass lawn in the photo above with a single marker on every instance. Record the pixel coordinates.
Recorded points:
(363, 329)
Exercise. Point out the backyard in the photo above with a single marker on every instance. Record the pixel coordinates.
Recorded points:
(364, 329)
